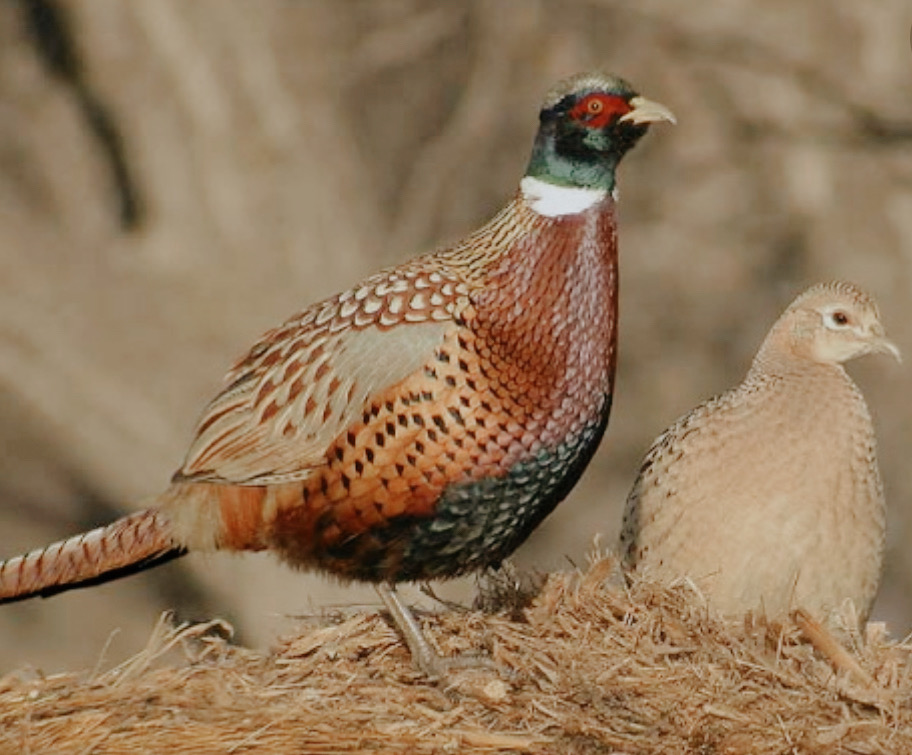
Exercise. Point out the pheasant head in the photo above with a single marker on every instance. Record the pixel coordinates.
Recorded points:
(586, 125)
(828, 324)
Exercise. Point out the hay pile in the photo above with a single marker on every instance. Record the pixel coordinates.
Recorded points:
(586, 668)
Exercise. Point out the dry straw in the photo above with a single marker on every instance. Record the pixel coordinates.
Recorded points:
(587, 667)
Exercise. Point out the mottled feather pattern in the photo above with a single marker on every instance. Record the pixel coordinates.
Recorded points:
(128, 545)
(421, 424)
(285, 401)
(458, 400)
(494, 397)
(770, 494)
(843, 290)
(304, 382)
(654, 525)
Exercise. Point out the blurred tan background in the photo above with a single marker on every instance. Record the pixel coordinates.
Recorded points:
(177, 177)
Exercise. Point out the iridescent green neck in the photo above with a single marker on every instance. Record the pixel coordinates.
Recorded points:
(573, 160)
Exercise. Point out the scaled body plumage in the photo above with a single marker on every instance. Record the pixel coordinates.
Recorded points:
(769, 496)
(422, 423)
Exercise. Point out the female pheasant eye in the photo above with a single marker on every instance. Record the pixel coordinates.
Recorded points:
(839, 318)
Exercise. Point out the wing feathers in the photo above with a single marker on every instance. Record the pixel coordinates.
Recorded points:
(303, 383)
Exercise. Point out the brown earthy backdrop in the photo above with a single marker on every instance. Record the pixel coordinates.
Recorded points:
(177, 177)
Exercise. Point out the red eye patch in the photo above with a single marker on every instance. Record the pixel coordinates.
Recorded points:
(598, 110)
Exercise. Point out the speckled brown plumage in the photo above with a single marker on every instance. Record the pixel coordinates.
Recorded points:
(488, 388)
(422, 423)
(768, 497)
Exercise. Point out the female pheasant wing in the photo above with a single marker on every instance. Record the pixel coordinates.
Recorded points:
(307, 381)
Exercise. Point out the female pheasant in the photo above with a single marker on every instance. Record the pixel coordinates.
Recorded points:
(421, 424)
(769, 496)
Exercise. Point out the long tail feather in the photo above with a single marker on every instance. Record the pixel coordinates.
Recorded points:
(124, 547)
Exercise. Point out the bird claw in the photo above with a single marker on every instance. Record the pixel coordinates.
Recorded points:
(437, 667)
(427, 660)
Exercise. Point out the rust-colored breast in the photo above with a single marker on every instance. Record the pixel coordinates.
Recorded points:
(522, 382)
(438, 427)
(423, 424)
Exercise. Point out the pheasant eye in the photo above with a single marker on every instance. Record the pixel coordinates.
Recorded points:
(838, 318)
(599, 110)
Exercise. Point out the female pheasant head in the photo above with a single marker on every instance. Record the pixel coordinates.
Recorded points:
(587, 123)
(830, 323)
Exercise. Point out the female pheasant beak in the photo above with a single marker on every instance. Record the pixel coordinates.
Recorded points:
(883, 345)
(647, 111)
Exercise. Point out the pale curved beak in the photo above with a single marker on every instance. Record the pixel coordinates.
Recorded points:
(886, 346)
(647, 111)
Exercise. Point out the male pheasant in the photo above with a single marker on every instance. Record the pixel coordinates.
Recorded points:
(421, 424)
(769, 496)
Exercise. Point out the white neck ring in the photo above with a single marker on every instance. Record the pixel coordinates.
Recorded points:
(553, 201)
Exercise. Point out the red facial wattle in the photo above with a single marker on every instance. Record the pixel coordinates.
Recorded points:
(599, 110)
